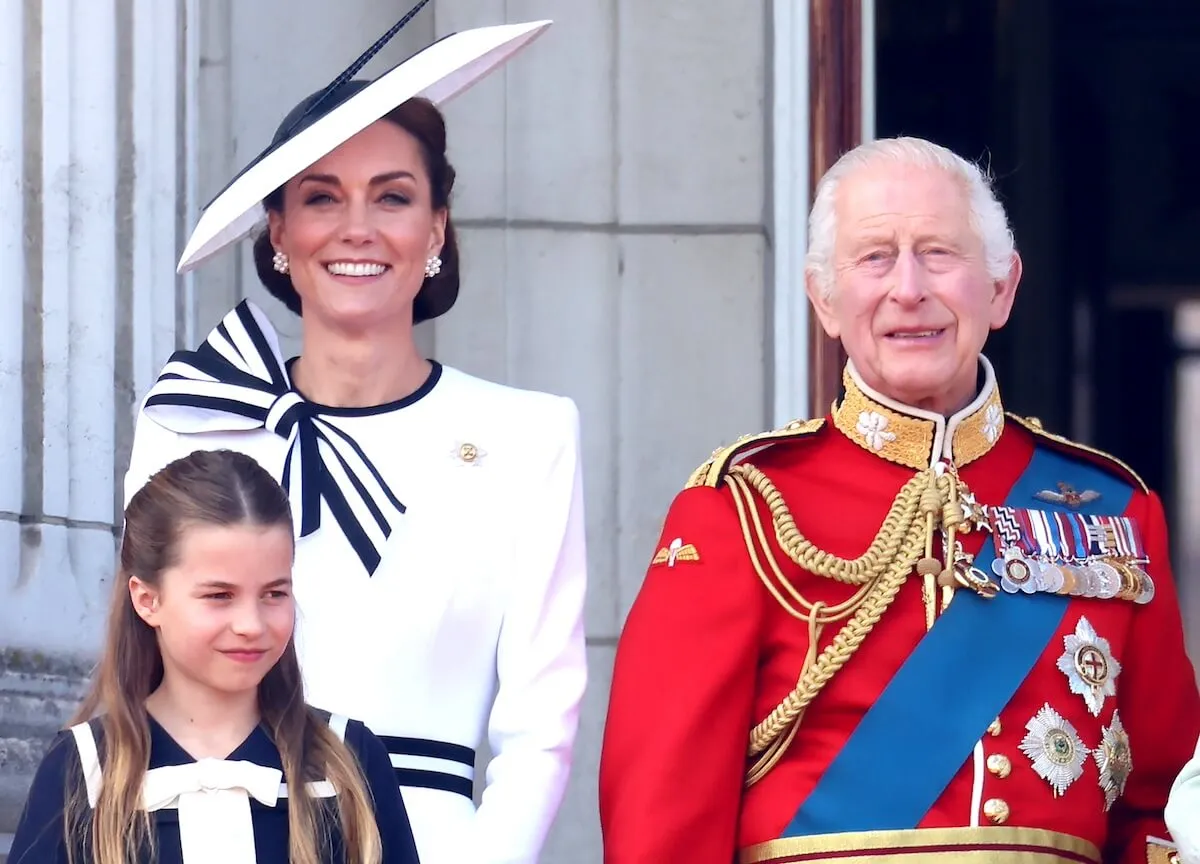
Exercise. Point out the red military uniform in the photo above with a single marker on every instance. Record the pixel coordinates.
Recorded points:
(709, 651)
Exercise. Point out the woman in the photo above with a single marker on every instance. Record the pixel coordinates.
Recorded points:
(440, 566)
(199, 681)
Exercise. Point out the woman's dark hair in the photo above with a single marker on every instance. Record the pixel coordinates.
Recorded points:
(419, 118)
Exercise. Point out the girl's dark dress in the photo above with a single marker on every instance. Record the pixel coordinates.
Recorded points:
(41, 837)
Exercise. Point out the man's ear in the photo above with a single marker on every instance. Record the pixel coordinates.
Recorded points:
(1004, 293)
(822, 303)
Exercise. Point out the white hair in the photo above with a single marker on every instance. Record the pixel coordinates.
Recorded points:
(987, 217)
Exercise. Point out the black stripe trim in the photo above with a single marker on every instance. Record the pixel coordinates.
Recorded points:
(434, 780)
(426, 747)
(314, 441)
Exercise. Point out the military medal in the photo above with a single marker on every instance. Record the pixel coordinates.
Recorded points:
(1015, 571)
(1120, 543)
(1018, 567)
(1054, 748)
(1069, 553)
(1089, 666)
(1115, 761)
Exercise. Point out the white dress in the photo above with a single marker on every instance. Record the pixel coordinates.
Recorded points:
(1183, 811)
(466, 621)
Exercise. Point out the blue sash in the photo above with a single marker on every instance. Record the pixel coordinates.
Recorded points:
(920, 732)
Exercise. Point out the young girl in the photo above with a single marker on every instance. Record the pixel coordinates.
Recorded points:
(195, 744)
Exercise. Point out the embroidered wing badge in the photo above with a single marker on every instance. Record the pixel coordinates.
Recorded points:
(1067, 496)
(676, 551)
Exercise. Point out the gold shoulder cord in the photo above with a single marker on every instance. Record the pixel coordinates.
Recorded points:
(930, 500)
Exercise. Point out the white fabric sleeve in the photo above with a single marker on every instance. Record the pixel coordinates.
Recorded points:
(541, 659)
(1183, 811)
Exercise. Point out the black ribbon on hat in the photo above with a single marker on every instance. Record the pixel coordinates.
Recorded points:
(323, 101)
(237, 381)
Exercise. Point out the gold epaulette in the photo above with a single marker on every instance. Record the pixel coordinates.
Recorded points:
(1082, 451)
(713, 470)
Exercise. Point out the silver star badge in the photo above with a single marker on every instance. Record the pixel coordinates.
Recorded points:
(1054, 747)
(1115, 761)
(1089, 666)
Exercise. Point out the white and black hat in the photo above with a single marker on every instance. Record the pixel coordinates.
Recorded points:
(329, 118)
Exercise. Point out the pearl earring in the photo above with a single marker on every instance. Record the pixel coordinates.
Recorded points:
(280, 262)
(433, 267)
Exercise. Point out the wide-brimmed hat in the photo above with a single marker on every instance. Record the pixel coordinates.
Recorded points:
(342, 110)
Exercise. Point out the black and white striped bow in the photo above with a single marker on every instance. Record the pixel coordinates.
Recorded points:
(237, 381)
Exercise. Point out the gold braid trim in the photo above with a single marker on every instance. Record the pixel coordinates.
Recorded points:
(879, 573)
(1034, 426)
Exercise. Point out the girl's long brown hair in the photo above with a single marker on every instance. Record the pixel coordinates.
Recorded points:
(223, 488)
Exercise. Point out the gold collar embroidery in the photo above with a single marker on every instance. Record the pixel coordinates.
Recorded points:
(916, 438)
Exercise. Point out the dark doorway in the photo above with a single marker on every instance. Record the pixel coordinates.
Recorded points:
(1088, 114)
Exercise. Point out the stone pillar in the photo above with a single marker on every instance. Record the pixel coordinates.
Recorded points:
(612, 191)
(91, 143)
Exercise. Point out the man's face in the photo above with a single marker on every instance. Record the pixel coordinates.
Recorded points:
(912, 301)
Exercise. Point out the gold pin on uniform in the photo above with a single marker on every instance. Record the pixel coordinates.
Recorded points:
(1067, 496)
(676, 551)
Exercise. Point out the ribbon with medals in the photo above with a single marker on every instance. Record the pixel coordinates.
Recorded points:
(1069, 553)
(975, 658)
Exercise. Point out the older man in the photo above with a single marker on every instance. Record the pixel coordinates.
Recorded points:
(919, 627)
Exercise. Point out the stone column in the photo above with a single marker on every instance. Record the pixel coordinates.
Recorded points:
(612, 197)
(91, 142)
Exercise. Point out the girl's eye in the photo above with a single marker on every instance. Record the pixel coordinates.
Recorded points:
(395, 199)
(318, 198)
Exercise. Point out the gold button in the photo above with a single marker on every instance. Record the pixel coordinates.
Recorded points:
(996, 810)
(999, 765)
(994, 728)
(468, 452)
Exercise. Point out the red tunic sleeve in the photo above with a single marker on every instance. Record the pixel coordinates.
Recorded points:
(671, 771)
(1159, 703)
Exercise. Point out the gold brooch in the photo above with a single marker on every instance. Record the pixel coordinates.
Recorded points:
(468, 454)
